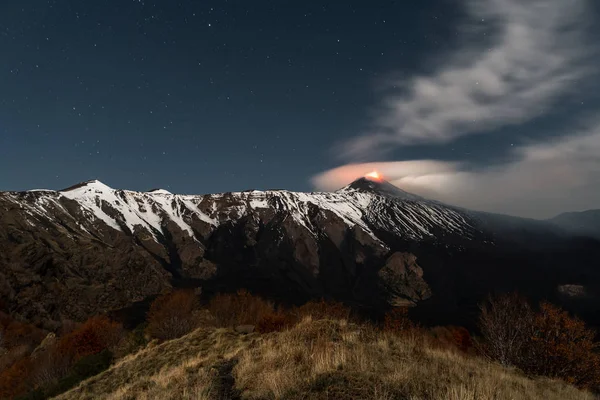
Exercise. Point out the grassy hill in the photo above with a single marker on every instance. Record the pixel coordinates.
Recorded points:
(315, 359)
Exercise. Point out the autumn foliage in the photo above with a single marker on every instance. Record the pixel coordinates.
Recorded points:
(272, 322)
(47, 364)
(240, 308)
(173, 315)
(546, 342)
(16, 333)
(15, 379)
(453, 337)
(562, 347)
(397, 320)
(95, 335)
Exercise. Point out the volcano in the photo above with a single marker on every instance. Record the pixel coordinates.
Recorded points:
(91, 248)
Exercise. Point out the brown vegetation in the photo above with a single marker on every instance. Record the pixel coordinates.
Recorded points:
(322, 309)
(173, 315)
(456, 337)
(397, 320)
(316, 351)
(548, 342)
(273, 322)
(52, 359)
(14, 379)
(15, 333)
(95, 335)
(241, 308)
(315, 359)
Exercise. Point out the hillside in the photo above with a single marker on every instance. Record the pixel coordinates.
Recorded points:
(585, 223)
(91, 249)
(322, 359)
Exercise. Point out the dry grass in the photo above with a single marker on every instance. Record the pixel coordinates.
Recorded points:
(322, 359)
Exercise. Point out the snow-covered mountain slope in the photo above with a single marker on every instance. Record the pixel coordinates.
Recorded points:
(91, 248)
(370, 205)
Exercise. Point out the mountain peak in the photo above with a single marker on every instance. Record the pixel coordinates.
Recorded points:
(381, 187)
(159, 191)
(92, 184)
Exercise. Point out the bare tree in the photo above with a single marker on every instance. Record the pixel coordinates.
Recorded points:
(506, 323)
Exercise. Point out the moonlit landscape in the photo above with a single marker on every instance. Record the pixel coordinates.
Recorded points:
(299, 200)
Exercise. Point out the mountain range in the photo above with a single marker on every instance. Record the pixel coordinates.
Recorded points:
(89, 249)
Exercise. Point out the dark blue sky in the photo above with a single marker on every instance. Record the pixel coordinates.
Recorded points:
(199, 97)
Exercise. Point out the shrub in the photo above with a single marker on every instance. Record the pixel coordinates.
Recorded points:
(461, 338)
(173, 315)
(241, 308)
(397, 320)
(16, 333)
(506, 324)
(84, 368)
(323, 309)
(14, 381)
(562, 347)
(273, 322)
(132, 341)
(50, 366)
(95, 335)
(549, 342)
(9, 357)
(455, 337)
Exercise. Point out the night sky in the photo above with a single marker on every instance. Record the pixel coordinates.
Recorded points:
(489, 104)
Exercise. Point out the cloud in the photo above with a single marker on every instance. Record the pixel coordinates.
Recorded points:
(537, 55)
(542, 181)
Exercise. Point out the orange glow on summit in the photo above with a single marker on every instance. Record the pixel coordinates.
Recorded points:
(376, 176)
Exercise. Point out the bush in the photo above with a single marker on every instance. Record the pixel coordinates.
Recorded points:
(461, 338)
(14, 381)
(50, 366)
(95, 335)
(549, 342)
(506, 324)
(241, 308)
(274, 322)
(562, 347)
(132, 341)
(452, 337)
(397, 320)
(84, 368)
(15, 333)
(323, 309)
(173, 315)
(9, 357)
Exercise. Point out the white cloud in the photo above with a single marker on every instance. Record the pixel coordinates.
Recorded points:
(536, 56)
(543, 181)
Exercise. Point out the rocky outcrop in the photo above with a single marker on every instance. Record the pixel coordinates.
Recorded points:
(402, 280)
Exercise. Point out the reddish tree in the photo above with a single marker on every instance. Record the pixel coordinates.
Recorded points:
(95, 335)
(173, 315)
(562, 346)
(549, 342)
